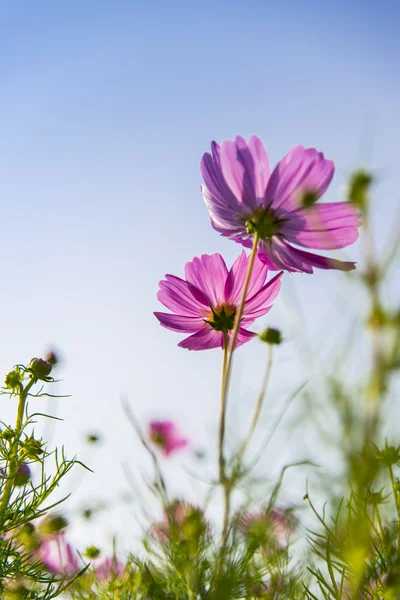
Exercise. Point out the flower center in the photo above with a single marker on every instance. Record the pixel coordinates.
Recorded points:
(222, 318)
(158, 438)
(264, 222)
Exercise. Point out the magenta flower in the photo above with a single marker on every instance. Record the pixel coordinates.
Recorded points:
(166, 436)
(58, 556)
(205, 302)
(109, 568)
(243, 198)
(180, 520)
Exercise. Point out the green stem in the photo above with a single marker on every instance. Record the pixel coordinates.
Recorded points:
(222, 413)
(396, 499)
(226, 371)
(221, 459)
(258, 407)
(13, 463)
(238, 318)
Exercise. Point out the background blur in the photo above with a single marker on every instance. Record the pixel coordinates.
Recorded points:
(106, 110)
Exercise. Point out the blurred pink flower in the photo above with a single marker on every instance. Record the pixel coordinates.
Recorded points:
(166, 436)
(58, 556)
(204, 304)
(181, 519)
(278, 524)
(109, 568)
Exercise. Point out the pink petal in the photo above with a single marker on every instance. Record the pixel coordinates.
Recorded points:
(323, 226)
(203, 340)
(210, 167)
(262, 300)
(279, 255)
(178, 296)
(179, 322)
(237, 275)
(300, 170)
(243, 336)
(322, 262)
(208, 274)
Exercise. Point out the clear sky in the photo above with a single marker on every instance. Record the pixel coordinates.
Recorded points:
(106, 110)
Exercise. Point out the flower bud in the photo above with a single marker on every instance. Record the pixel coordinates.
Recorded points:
(52, 358)
(271, 336)
(52, 524)
(308, 198)
(13, 379)
(23, 475)
(41, 368)
(360, 183)
(92, 552)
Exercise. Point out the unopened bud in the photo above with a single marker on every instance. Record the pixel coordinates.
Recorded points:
(41, 368)
(92, 552)
(13, 379)
(23, 475)
(52, 524)
(308, 198)
(271, 336)
(360, 183)
(52, 358)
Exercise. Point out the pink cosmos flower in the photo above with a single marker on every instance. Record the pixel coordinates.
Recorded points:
(109, 568)
(243, 198)
(205, 302)
(275, 526)
(166, 436)
(181, 519)
(58, 556)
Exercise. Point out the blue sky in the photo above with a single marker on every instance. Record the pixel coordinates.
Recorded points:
(106, 109)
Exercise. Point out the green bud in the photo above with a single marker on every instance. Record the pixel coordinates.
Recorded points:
(87, 513)
(52, 524)
(360, 182)
(271, 336)
(39, 367)
(375, 498)
(92, 552)
(7, 434)
(13, 380)
(389, 456)
(32, 448)
(308, 198)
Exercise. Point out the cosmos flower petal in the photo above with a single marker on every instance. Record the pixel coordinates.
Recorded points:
(322, 262)
(214, 179)
(205, 339)
(244, 336)
(237, 275)
(179, 322)
(176, 295)
(208, 273)
(245, 169)
(300, 170)
(280, 255)
(323, 226)
(263, 298)
(166, 435)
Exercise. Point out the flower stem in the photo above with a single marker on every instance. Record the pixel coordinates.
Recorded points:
(238, 318)
(13, 456)
(396, 499)
(226, 371)
(222, 414)
(258, 407)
